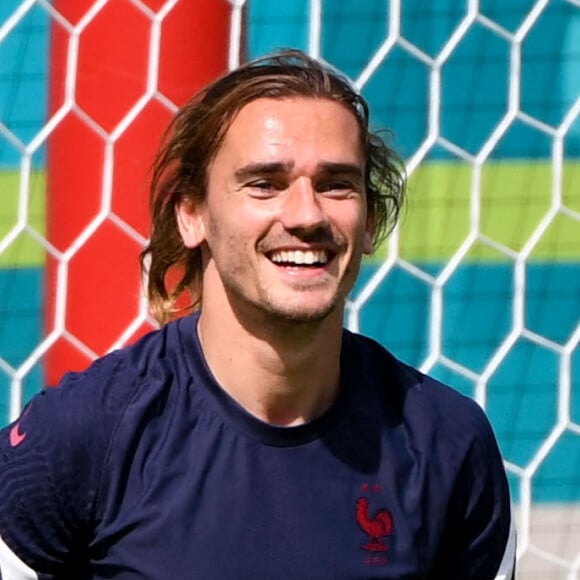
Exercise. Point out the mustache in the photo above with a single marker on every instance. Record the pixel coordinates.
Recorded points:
(320, 237)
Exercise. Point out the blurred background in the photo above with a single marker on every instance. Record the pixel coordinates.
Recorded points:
(479, 285)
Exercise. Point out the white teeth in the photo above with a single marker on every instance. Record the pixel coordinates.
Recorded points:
(307, 257)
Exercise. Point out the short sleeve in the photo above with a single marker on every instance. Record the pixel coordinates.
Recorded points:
(50, 465)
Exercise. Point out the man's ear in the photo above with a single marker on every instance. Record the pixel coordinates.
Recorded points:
(369, 235)
(190, 223)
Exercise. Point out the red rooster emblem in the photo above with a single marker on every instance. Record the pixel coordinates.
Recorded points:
(376, 528)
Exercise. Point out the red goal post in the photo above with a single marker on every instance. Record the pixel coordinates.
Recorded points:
(118, 70)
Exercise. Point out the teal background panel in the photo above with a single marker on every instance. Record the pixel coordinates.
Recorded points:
(20, 328)
(23, 81)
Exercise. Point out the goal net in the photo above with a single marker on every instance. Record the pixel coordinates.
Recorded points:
(478, 286)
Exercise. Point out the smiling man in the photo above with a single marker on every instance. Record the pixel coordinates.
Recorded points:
(281, 230)
(254, 437)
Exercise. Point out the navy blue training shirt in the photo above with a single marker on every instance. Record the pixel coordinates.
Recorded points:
(142, 467)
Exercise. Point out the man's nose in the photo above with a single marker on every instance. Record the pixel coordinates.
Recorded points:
(302, 207)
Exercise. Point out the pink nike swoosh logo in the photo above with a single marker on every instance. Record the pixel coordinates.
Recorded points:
(16, 437)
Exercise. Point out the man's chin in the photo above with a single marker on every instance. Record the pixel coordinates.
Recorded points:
(300, 313)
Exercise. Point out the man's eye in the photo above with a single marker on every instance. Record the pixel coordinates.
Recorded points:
(339, 187)
(263, 185)
(264, 188)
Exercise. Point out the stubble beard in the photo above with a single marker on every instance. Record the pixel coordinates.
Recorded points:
(279, 310)
(294, 309)
(282, 312)
(296, 313)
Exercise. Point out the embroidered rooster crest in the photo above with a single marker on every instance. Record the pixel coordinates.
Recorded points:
(376, 528)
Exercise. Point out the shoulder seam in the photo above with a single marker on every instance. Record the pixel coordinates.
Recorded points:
(112, 439)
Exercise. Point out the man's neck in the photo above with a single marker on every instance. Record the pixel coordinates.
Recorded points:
(282, 373)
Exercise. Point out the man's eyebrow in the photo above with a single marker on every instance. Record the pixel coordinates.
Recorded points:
(353, 170)
(262, 168)
(348, 169)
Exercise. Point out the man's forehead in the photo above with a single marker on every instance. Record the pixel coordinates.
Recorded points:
(275, 123)
(269, 107)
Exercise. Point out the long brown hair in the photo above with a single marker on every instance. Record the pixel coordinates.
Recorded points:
(193, 139)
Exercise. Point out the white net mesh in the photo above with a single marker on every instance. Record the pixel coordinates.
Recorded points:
(478, 286)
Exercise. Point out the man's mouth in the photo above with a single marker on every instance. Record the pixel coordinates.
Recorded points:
(300, 257)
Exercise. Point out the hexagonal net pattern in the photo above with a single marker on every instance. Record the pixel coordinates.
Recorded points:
(479, 284)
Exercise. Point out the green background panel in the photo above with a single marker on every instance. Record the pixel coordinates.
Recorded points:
(25, 251)
(515, 197)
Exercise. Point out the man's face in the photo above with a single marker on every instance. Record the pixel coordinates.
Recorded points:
(284, 223)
